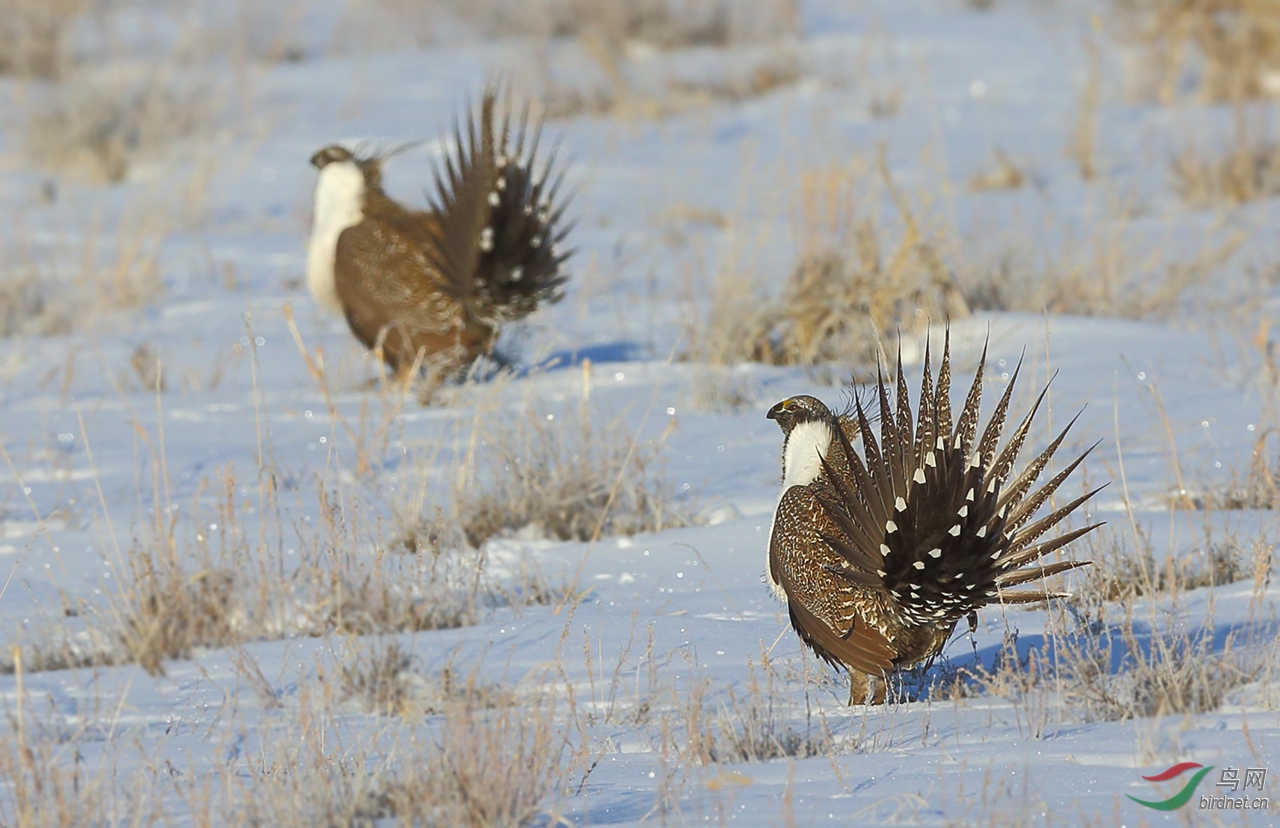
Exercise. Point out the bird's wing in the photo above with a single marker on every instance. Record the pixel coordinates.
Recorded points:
(383, 279)
(820, 595)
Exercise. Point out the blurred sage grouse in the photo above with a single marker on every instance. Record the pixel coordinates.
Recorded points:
(433, 287)
(878, 553)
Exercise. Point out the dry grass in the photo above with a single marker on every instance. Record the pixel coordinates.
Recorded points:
(385, 680)
(722, 390)
(73, 285)
(170, 609)
(485, 767)
(1003, 174)
(660, 24)
(180, 595)
(492, 769)
(864, 273)
(1123, 574)
(1102, 664)
(757, 725)
(1100, 270)
(43, 792)
(860, 277)
(1247, 169)
(34, 35)
(631, 91)
(561, 475)
(1082, 148)
(613, 40)
(1222, 50)
(1120, 673)
(102, 122)
(1257, 488)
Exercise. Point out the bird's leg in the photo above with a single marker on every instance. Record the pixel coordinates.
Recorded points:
(404, 375)
(499, 359)
(865, 689)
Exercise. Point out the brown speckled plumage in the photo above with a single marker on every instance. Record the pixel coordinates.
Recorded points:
(888, 546)
(434, 286)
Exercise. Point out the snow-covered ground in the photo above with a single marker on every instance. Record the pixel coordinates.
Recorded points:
(657, 651)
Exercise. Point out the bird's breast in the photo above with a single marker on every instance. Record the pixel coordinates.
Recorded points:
(339, 204)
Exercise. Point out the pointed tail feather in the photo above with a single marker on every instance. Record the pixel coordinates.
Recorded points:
(926, 514)
(500, 217)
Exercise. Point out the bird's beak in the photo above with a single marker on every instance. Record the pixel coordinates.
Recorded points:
(776, 410)
(317, 160)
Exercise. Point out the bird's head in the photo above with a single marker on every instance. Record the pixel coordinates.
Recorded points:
(808, 427)
(795, 411)
(332, 154)
(370, 166)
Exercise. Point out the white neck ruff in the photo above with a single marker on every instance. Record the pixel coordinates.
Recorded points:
(802, 457)
(339, 204)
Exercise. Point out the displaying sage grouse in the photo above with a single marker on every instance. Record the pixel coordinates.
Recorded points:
(879, 553)
(433, 287)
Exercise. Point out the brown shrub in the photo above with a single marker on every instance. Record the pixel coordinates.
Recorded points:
(562, 476)
(663, 24)
(860, 278)
(1225, 50)
(34, 33)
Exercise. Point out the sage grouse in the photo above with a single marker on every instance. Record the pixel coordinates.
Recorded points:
(432, 287)
(879, 553)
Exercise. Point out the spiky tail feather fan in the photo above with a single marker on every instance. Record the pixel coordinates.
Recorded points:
(938, 519)
(500, 217)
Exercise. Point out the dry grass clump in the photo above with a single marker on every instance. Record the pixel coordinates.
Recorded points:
(167, 612)
(722, 390)
(1123, 574)
(1122, 672)
(1247, 169)
(41, 790)
(171, 608)
(387, 681)
(862, 276)
(1004, 174)
(485, 767)
(102, 122)
(757, 726)
(1256, 489)
(28, 306)
(34, 34)
(631, 90)
(179, 596)
(1238, 176)
(69, 286)
(1099, 271)
(1167, 673)
(860, 279)
(1224, 50)
(562, 476)
(660, 24)
(492, 768)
